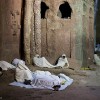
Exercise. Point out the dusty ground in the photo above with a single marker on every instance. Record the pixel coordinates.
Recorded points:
(86, 86)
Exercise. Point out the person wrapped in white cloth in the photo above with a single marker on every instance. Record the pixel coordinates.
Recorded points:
(16, 61)
(23, 73)
(43, 80)
(62, 61)
(5, 65)
(38, 79)
(42, 62)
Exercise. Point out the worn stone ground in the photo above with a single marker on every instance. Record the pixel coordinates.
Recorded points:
(86, 86)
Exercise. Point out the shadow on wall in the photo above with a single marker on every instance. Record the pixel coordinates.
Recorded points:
(22, 55)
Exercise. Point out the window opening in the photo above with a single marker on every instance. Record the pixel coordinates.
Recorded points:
(44, 8)
(65, 10)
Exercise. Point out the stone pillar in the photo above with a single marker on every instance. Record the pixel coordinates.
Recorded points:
(32, 29)
(27, 29)
(37, 27)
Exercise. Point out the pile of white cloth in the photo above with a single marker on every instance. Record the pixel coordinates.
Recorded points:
(5, 65)
(42, 62)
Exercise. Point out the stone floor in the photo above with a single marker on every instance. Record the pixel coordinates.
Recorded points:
(86, 86)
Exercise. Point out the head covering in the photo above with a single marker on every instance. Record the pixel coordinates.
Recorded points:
(37, 55)
(63, 55)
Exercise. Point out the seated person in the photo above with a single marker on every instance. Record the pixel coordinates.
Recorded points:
(62, 61)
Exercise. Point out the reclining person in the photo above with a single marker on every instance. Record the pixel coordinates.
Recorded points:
(38, 79)
(45, 79)
(42, 62)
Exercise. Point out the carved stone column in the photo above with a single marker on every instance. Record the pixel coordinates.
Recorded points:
(27, 28)
(37, 27)
(32, 29)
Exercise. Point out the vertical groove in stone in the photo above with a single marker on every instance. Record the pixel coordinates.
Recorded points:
(32, 38)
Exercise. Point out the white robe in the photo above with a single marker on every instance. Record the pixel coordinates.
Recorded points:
(42, 62)
(16, 61)
(5, 65)
(62, 62)
(22, 73)
(45, 79)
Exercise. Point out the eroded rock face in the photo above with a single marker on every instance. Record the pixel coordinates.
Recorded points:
(10, 29)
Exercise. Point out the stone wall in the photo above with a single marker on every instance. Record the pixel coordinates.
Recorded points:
(57, 33)
(65, 35)
(10, 25)
(50, 36)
